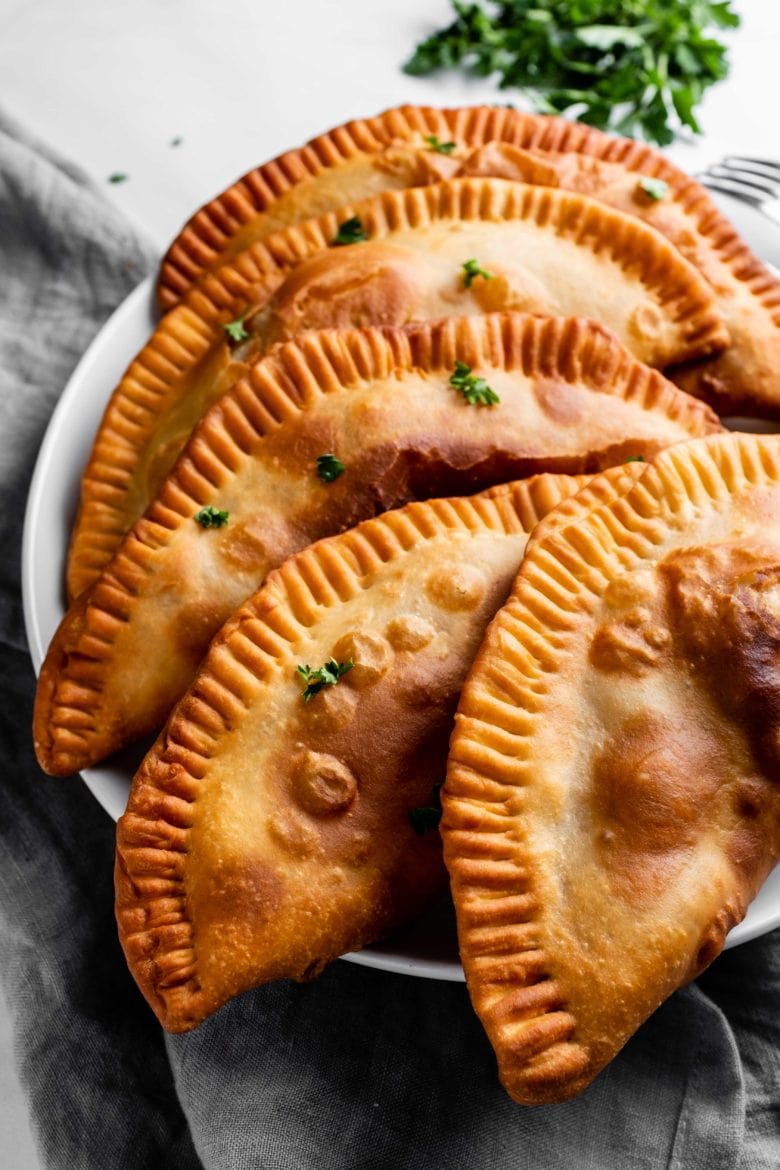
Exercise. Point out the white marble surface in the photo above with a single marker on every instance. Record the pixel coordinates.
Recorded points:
(110, 84)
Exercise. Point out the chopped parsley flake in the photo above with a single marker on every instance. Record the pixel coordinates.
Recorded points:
(235, 329)
(118, 177)
(656, 188)
(475, 390)
(177, 141)
(471, 270)
(635, 459)
(326, 676)
(350, 232)
(439, 146)
(424, 820)
(211, 517)
(329, 467)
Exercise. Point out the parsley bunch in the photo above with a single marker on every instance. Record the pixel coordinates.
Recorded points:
(633, 66)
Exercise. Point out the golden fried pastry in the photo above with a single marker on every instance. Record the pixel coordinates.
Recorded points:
(403, 148)
(324, 432)
(269, 831)
(745, 377)
(611, 803)
(544, 251)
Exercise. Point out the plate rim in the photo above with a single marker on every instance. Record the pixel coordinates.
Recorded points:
(34, 506)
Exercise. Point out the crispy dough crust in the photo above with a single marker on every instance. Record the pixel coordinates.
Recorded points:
(202, 242)
(742, 380)
(380, 400)
(593, 878)
(246, 854)
(186, 364)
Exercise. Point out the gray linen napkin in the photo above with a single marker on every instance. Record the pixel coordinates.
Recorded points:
(359, 1069)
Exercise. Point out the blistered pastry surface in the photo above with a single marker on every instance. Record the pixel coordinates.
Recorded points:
(265, 834)
(571, 399)
(611, 804)
(569, 254)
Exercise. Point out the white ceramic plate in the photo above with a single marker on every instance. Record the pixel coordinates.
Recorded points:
(429, 948)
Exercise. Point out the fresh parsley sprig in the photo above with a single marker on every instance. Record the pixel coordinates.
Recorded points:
(326, 675)
(638, 67)
(351, 231)
(471, 270)
(475, 390)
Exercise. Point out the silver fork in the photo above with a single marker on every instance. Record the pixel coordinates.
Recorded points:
(753, 180)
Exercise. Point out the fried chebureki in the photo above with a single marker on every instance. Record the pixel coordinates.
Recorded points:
(382, 404)
(268, 830)
(403, 148)
(546, 251)
(611, 804)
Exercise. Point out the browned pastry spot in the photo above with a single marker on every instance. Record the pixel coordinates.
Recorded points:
(371, 656)
(409, 632)
(654, 782)
(457, 588)
(323, 784)
(293, 833)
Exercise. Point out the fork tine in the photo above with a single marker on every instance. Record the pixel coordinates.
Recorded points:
(761, 165)
(726, 187)
(755, 184)
(764, 171)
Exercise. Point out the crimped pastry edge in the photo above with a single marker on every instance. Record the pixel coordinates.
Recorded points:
(186, 334)
(472, 126)
(524, 1012)
(278, 386)
(258, 642)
